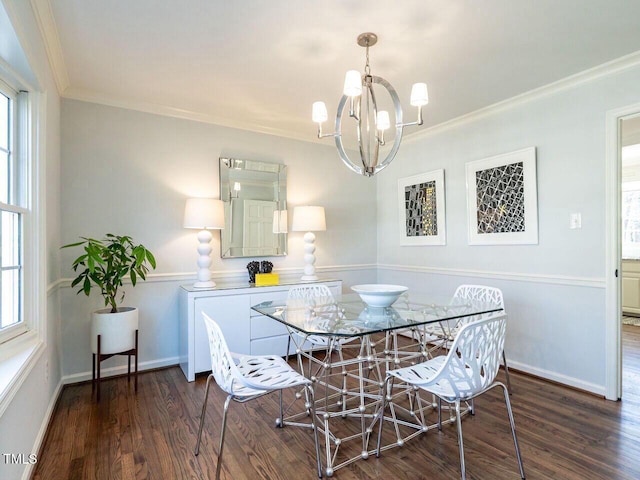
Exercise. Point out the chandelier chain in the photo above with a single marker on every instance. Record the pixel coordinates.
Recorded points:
(367, 68)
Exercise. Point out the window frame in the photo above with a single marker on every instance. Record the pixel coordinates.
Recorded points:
(17, 199)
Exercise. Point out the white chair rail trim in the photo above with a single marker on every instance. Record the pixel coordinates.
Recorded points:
(591, 282)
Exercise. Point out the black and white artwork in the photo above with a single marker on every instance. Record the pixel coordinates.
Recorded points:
(421, 202)
(502, 199)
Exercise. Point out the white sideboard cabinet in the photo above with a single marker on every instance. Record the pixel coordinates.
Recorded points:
(246, 331)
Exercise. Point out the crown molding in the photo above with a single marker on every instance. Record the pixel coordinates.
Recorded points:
(49, 31)
(609, 68)
(90, 96)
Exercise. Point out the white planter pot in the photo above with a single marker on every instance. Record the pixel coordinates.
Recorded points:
(117, 330)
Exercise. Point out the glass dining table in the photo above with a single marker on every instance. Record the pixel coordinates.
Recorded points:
(346, 347)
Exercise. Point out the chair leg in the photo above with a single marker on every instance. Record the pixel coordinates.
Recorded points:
(506, 372)
(224, 427)
(204, 410)
(93, 372)
(460, 444)
(288, 347)
(312, 401)
(513, 429)
(280, 419)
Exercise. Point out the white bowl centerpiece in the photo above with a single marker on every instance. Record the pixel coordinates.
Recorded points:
(379, 295)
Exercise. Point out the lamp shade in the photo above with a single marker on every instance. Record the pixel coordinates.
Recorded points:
(419, 94)
(319, 112)
(308, 219)
(352, 83)
(204, 213)
(382, 121)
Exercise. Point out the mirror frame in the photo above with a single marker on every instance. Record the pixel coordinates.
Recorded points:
(261, 177)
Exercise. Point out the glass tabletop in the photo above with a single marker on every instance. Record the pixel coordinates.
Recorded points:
(347, 315)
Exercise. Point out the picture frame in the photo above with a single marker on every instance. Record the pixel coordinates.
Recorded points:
(421, 203)
(502, 199)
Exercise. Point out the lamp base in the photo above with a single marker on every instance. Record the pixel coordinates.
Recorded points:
(208, 284)
(308, 278)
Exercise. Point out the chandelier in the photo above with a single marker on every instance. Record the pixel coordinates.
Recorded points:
(370, 122)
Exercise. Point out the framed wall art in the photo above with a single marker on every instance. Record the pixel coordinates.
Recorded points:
(502, 199)
(421, 209)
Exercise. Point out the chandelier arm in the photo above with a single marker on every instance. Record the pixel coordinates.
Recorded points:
(399, 125)
(338, 138)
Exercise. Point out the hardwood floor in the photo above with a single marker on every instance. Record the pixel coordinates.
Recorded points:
(563, 434)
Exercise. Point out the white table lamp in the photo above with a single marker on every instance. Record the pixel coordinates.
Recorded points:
(309, 219)
(204, 214)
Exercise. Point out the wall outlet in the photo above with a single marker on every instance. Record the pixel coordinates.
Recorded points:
(46, 370)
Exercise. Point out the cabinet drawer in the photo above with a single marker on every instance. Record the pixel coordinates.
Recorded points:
(271, 346)
(262, 326)
(276, 297)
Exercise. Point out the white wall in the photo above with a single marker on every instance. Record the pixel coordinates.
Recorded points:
(23, 424)
(554, 291)
(129, 172)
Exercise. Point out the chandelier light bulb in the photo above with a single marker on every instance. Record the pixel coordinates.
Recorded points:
(319, 112)
(352, 83)
(382, 120)
(419, 94)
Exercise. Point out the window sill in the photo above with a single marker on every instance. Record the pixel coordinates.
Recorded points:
(16, 361)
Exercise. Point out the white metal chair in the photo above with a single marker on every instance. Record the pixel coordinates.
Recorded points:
(446, 332)
(320, 298)
(468, 370)
(247, 378)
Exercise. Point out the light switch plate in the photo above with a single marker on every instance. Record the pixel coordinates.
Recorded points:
(575, 221)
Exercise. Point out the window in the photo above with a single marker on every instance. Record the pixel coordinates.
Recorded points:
(12, 214)
(631, 220)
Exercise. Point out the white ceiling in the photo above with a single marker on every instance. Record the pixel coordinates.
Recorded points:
(260, 64)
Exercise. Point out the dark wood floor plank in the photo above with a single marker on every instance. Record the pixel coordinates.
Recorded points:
(564, 434)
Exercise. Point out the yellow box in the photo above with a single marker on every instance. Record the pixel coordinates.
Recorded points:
(263, 279)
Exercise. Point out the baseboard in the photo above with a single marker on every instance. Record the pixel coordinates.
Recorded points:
(121, 370)
(44, 426)
(557, 378)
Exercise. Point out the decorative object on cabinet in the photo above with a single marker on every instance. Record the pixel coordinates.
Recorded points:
(263, 279)
(252, 192)
(247, 332)
(104, 265)
(254, 268)
(309, 219)
(421, 201)
(363, 108)
(204, 214)
(502, 205)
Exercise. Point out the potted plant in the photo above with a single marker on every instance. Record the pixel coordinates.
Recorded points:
(104, 265)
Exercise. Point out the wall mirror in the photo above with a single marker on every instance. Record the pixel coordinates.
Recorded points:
(255, 208)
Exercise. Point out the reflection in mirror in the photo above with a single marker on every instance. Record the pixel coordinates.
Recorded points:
(255, 208)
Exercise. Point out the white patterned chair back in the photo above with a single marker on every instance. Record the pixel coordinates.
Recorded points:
(307, 292)
(472, 363)
(223, 366)
(480, 293)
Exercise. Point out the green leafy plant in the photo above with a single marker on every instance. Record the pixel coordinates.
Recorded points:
(105, 263)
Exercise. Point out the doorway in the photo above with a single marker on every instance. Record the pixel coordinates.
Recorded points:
(630, 251)
(615, 121)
